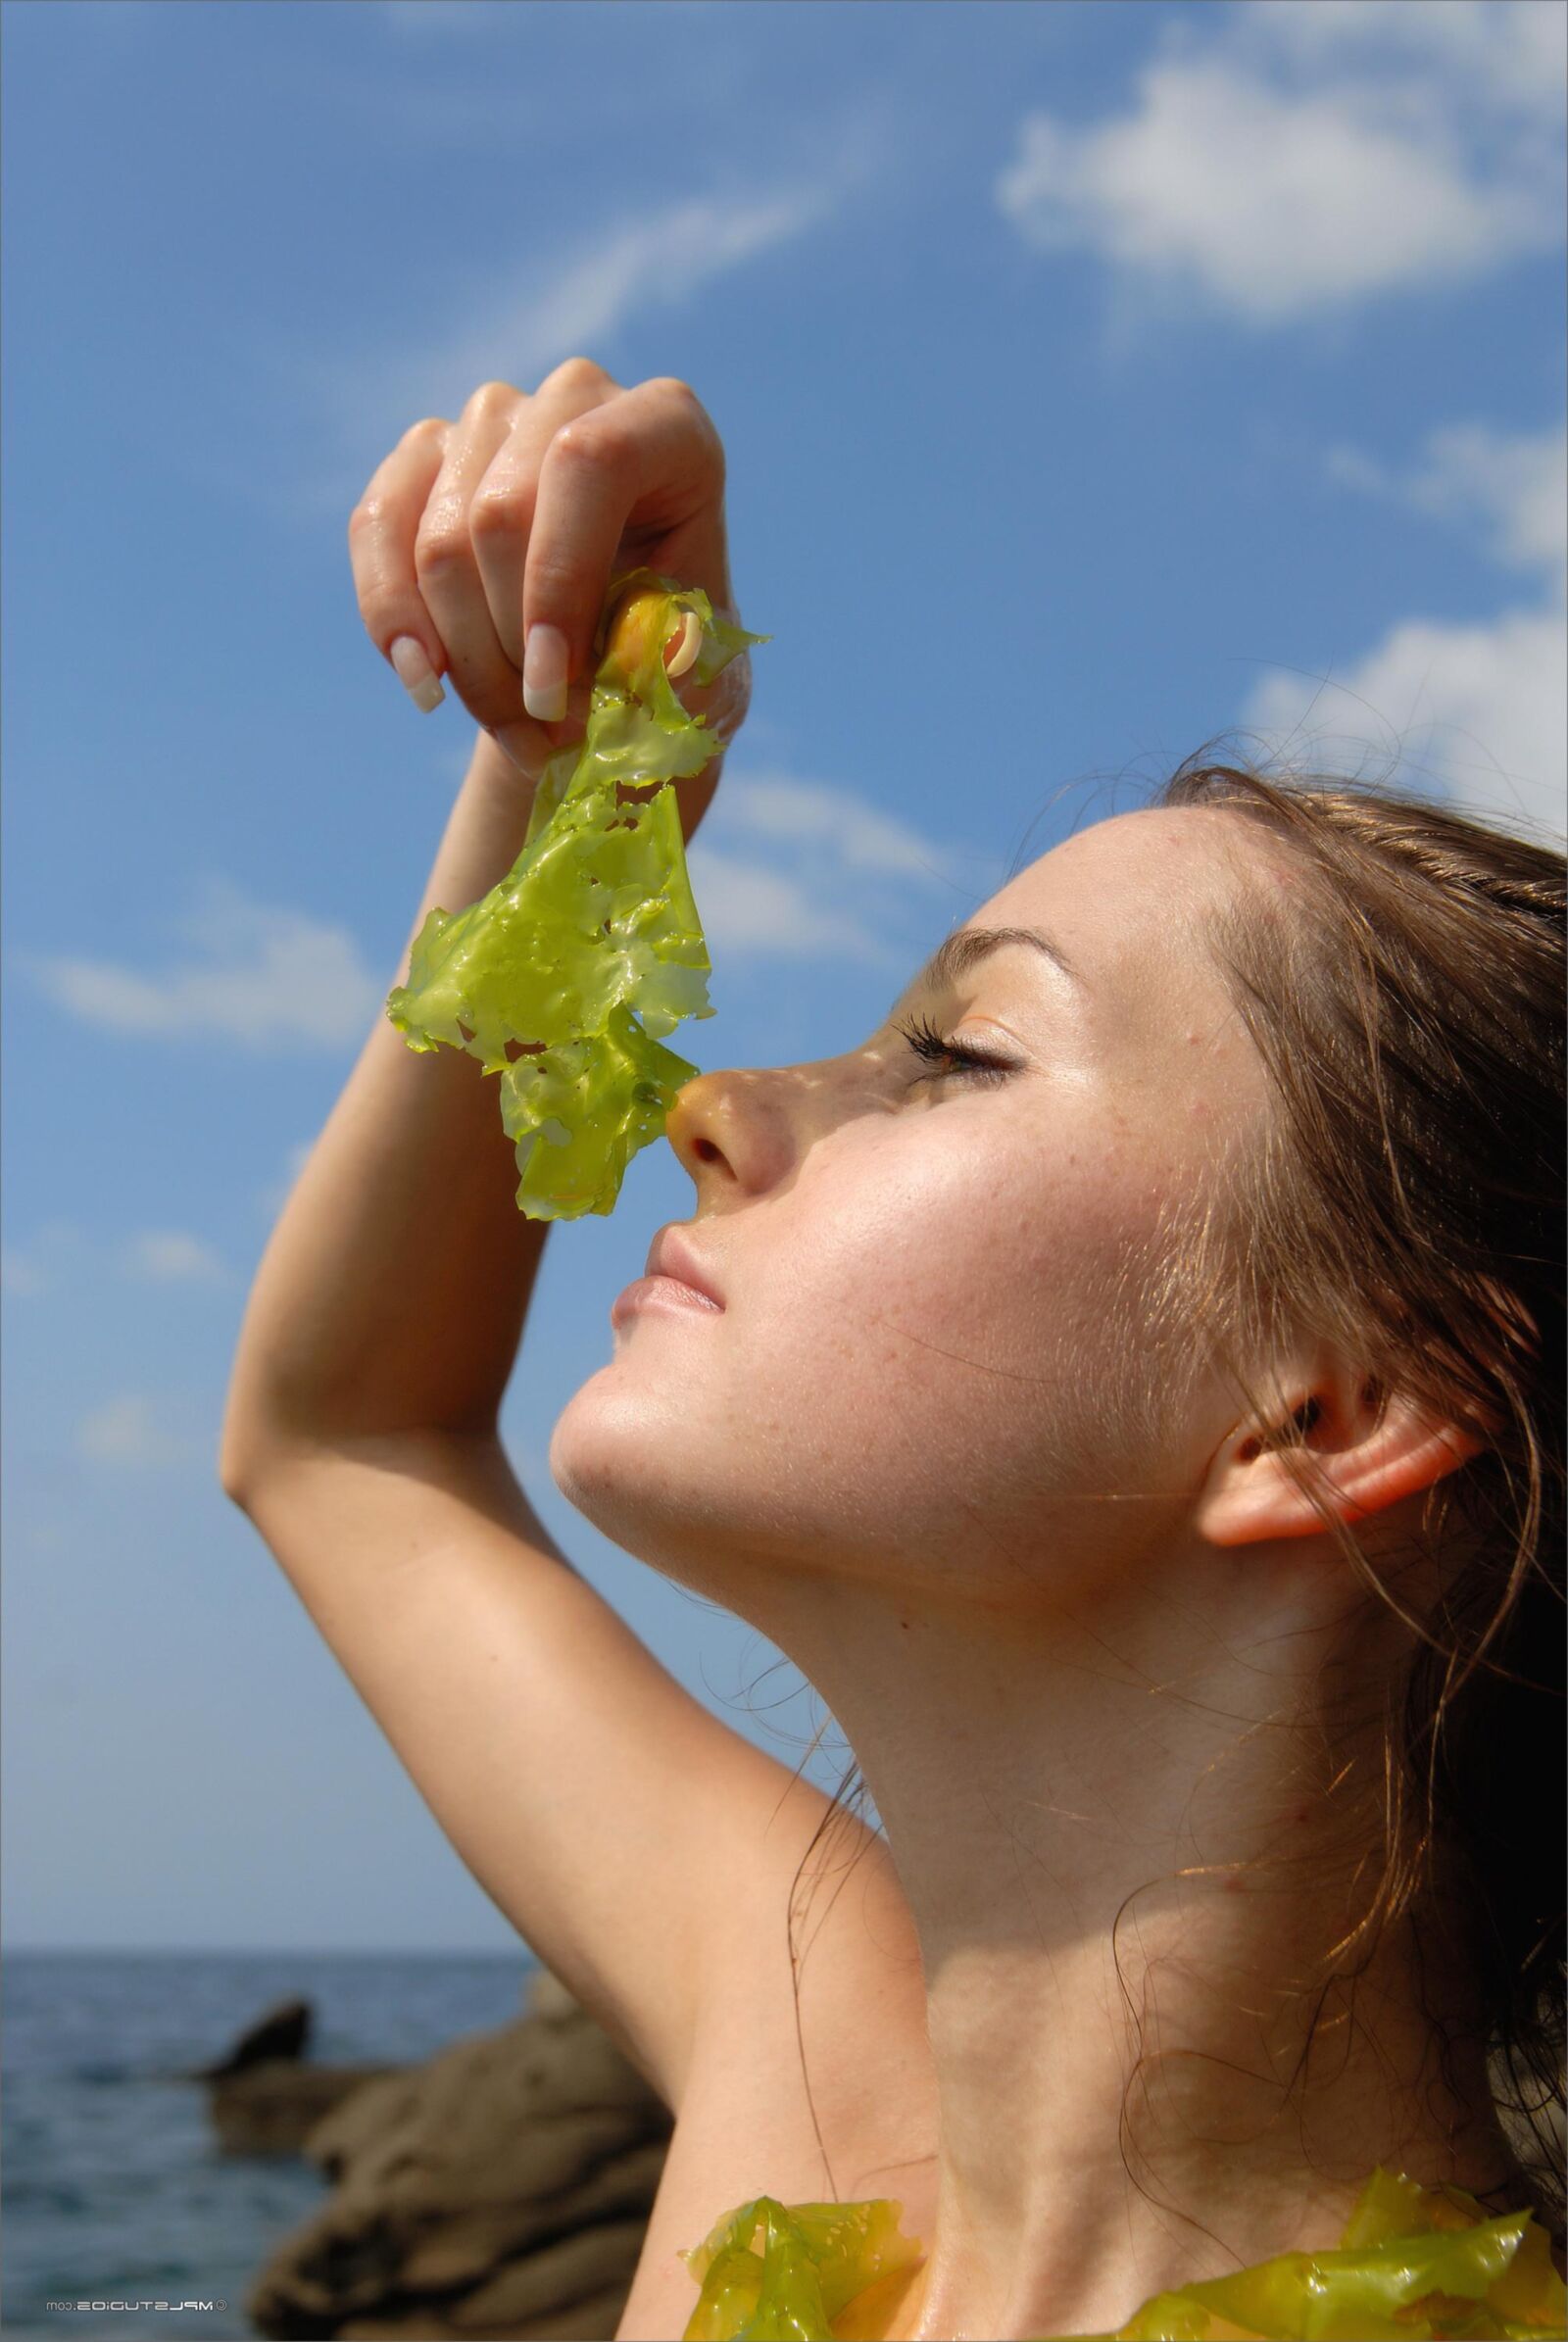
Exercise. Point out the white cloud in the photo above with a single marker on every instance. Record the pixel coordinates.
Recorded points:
(264, 978)
(60, 1250)
(172, 1255)
(751, 911)
(1299, 156)
(1479, 710)
(1516, 485)
(645, 263)
(835, 881)
(652, 261)
(1476, 714)
(20, 1273)
(26, 1271)
(857, 835)
(1513, 53)
(132, 1430)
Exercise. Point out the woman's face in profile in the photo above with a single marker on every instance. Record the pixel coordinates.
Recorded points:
(931, 1274)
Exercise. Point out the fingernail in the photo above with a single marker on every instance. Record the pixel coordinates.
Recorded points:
(415, 673)
(688, 644)
(544, 674)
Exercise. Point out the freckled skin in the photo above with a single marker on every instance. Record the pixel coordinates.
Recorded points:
(899, 1451)
(918, 1274)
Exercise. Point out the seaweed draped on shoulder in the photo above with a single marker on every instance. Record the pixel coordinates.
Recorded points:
(1412, 2263)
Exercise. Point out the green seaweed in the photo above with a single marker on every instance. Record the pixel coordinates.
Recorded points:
(814, 2258)
(1413, 2264)
(564, 978)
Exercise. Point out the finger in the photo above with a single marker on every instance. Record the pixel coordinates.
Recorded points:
(381, 532)
(446, 567)
(651, 459)
(501, 514)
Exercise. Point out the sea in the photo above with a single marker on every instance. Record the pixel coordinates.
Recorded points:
(111, 2183)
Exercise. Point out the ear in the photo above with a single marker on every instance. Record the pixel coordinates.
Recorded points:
(1362, 1453)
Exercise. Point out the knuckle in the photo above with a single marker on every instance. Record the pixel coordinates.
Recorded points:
(694, 416)
(428, 427)
(555, 586)
(441, 545)
(575, 374)
(679, 393)
(589, 440)
(499, 513)
(368, 515)
(489, 401)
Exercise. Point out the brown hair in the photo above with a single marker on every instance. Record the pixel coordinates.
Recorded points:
(1409, 1014)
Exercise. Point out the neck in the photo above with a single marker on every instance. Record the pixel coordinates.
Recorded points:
(1130, 1843)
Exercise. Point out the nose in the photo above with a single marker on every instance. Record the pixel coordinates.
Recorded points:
(746, 1130)
(728, 1133)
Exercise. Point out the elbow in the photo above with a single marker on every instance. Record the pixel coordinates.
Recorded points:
(254, 1431)
(242, 1451)
(233, 1472)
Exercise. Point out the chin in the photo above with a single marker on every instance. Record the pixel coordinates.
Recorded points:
(623, 1456)
(636, 1465)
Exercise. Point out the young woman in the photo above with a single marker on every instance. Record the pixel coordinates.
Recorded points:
(1134, 1400)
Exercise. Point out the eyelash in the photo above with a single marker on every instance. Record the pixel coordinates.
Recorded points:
(926, 1042)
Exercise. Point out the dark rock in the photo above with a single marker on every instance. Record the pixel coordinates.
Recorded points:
(272, 2109)
(501, 2189)
(263, 2097)
(283, 2032)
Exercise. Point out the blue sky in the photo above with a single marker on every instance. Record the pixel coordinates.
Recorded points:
(1095, 380)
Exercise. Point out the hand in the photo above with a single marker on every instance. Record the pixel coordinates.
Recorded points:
(482, 550)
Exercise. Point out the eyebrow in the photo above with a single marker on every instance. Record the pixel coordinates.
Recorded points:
(970, 945)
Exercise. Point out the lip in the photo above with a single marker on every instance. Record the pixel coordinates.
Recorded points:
(674, 1279)
(669, 1256)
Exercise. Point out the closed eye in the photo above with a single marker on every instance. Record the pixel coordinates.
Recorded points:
(927, 1043)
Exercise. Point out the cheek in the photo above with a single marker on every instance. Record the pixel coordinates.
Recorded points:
(921, 1330)
(996, 1280)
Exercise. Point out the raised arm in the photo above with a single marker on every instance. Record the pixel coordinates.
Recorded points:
(617, 1822)
(393, 1292)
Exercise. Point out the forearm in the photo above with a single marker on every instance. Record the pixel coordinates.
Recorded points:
(393, 1292)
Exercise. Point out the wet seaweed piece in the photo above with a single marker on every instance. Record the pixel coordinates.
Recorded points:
(1413, 2264)
(770, 2270)
(564, 978)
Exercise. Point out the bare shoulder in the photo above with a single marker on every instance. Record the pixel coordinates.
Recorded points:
(837, 2104)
